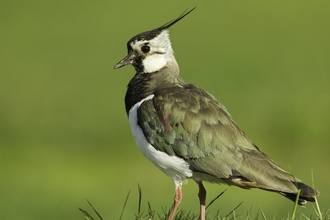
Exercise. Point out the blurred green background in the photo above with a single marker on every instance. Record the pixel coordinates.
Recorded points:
(64, 134)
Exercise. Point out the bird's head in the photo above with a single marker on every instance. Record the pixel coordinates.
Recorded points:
(151, 51)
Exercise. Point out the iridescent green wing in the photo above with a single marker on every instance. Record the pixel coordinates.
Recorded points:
(187, 122)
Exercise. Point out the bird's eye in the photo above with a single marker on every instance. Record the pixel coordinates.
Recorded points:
(145, 49)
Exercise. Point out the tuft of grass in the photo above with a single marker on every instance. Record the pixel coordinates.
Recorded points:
(181, 214)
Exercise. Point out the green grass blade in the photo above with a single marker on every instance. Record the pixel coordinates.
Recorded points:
(232, 211)
(95, 210)
(140, 199)
(262, 213)
(295, 205)
(318, 211)
(86, 214)
(122, 211)
(213, 200)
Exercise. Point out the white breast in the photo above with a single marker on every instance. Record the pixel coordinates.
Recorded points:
(176, 168)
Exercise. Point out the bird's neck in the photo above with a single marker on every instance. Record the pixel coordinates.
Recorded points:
(145, 84)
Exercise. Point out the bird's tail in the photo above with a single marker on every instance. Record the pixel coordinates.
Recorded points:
(307, 193)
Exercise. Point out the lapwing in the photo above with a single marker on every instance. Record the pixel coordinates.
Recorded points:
(185, 132)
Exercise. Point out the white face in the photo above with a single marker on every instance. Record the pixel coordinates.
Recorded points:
(160, 52)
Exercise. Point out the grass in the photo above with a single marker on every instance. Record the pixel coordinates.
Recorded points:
(151, 214)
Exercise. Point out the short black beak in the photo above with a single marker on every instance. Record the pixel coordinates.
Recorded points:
(128, 60)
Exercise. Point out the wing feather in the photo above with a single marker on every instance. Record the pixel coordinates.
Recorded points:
(187, 122)
(190, 123)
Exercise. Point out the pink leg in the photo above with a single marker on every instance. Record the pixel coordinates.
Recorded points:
(202, 199)
(177, 201)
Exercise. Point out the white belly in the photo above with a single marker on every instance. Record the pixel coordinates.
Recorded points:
(176, 168)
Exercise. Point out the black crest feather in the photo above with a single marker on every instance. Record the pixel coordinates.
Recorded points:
(171, 23)
(148, 35)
